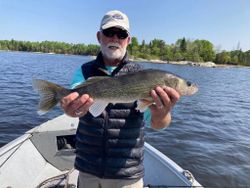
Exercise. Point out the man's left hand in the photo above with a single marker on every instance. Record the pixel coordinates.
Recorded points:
(164, 100)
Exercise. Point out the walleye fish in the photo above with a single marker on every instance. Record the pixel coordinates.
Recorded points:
(120, 89)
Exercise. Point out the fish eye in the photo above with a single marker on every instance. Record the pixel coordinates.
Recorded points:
(189, 83)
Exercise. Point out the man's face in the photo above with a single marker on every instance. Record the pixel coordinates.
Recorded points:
(114, 42)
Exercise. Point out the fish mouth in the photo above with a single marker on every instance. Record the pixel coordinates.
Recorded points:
(194, 89)
(189, 91)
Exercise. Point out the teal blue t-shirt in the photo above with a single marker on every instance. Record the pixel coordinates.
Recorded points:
(78, 78)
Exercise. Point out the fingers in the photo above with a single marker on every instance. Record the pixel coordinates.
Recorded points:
(165, 96)
(156, 98)
(83, 107)
(76, 106)
(65, 102)
(173, 95)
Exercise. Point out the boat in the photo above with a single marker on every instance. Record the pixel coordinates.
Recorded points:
(44, 157)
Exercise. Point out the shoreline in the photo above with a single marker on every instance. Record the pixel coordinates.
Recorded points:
(208, 64)
(189, 63)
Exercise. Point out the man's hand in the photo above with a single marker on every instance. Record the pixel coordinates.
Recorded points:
(75, 105)
(164, 99)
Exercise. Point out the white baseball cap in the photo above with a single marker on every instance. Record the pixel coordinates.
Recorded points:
(115, 18)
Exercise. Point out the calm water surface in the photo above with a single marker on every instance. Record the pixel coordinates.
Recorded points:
(209, 133)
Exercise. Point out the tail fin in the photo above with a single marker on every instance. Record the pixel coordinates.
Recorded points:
(50, 94)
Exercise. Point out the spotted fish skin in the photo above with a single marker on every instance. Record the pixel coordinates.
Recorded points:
(120, 89)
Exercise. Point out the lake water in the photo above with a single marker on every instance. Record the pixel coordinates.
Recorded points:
(209, 133)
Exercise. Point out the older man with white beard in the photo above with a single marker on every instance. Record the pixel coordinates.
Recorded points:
(109, 148)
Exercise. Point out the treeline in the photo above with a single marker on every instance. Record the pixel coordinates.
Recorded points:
(182, 50)
(49, 47)
(187, 50)
(236, 57)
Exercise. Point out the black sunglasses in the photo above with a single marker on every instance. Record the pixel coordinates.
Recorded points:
(110, 32)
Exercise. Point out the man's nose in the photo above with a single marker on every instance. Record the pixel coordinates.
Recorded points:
(115, 36)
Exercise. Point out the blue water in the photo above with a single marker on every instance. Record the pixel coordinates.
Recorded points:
(209, 133)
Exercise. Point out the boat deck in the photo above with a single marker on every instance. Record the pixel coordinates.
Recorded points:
(44, 157)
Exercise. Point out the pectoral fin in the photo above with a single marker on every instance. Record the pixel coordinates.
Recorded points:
(98, 107)
(142, 105)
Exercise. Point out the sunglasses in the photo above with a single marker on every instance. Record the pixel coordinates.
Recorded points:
(110, 32)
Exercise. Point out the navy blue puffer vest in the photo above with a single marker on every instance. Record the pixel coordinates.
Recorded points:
(112, 145)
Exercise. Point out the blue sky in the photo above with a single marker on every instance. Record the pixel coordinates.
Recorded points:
(225, 23)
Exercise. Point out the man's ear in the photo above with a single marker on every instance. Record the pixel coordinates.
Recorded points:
(129, 40)
(98, 36)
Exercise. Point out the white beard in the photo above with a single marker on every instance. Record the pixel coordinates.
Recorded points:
(113, 51)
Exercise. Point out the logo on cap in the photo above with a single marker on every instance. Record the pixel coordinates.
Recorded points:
(117, 16)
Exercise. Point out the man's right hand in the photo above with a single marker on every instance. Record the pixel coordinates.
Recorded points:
(75, 105)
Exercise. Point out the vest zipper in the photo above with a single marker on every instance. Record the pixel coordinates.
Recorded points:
(105, 115)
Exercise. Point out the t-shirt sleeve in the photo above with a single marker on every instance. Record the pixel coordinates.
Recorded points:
(147, 118)
(77, 79)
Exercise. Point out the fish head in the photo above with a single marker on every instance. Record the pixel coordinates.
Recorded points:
(182, 86)
(186, 88)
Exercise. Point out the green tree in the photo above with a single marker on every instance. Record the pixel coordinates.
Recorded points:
(133, 47)
(157, 48)
(223, 58)
(183, 45)
(205, 50)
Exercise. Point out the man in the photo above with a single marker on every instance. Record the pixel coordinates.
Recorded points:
(109, 148)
